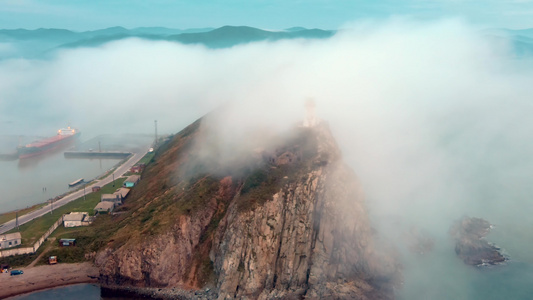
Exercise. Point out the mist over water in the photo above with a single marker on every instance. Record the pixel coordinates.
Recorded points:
(433, 117)
(22, 182)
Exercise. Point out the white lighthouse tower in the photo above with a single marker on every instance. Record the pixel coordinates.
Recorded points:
(310, 118)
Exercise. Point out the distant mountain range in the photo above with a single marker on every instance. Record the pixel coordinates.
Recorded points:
(39, 42)
(521, 40)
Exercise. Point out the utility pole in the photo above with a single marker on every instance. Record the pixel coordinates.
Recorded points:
(17, 220)
(113, 179)
(155, 141)
(84, 185)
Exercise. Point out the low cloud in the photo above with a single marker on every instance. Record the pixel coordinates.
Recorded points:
(434, 118)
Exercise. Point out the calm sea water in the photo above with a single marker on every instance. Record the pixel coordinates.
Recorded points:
(450, 279)
(35, 180)
(78, 292)
(441, 275)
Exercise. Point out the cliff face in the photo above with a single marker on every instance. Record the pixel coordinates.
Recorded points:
(292, 225)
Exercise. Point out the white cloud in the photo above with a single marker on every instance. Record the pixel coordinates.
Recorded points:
(420, 109)
(434, 119)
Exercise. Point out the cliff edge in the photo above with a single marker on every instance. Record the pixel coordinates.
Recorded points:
(288, 223)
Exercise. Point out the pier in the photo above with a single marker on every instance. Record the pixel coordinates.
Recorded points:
(9, 156)
(96, 154)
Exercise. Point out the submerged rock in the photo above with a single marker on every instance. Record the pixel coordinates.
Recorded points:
(470, 244)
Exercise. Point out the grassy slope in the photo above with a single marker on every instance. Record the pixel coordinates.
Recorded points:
(8, 216)
(34, 229)
(89, 239)
(171, 186)
(176, 183)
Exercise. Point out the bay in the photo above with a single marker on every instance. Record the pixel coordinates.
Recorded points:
(77, 291)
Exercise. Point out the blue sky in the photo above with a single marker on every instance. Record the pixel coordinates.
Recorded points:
(273, 14)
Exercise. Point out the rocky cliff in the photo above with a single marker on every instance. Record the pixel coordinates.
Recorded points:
(290, 223)
(470, 244)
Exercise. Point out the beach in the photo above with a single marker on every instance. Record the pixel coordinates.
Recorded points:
(44, 277)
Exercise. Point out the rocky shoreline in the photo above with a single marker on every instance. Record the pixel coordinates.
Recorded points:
(157, 293)
(470, 244)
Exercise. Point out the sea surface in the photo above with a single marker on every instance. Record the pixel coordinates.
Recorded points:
(37, 179)
(77, 291)
(450, 280)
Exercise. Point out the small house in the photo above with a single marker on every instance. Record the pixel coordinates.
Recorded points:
(96, 188)
(122, 193)
(136, 169)
(104, 207)
(131, 181)
(52, 260)
(75, 219)
(115, 198)
(10, 240)
(67, 242)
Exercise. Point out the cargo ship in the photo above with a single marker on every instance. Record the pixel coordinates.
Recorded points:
(63, 137)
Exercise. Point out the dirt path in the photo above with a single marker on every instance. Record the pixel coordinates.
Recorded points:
(43, 253)
(44, 277)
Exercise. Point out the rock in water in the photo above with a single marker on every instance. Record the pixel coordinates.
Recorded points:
(292, 224)
(470, 244)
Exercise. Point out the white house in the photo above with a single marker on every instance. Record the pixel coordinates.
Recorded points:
(104, 207)
(10, 240)
(75, 219)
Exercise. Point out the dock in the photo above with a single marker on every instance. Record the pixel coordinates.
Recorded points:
(75, 182)
(9, 156)
(96, 154)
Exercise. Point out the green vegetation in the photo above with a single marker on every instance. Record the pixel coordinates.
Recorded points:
(256, 179)
(8, 216)
(88, 240)
(64, 255)
(261, 183)
(260, 186)
(206, 269)
(182, 199)
(197, 194)
(16, 261)
(34, 229)
(147, 158)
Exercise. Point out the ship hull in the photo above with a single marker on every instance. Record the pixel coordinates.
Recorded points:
(31, 151)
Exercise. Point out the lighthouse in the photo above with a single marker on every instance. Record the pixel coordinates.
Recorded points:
(310, 118)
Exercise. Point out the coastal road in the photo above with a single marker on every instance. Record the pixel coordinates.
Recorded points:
(121, 170)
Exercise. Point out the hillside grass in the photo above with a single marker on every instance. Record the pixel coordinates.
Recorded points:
(89, 239)
(147, 158)
(17, 261)
(34, 229)
(8, 216)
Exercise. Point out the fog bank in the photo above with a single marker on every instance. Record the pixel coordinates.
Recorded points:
(433, 117)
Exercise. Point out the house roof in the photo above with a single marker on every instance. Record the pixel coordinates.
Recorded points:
(74, 217)
(133, 178)
(10, 236)
(104, 205)
(67, 240)
(108, 196)
(123, 192)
